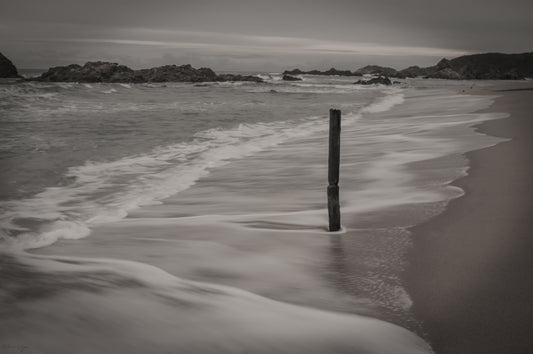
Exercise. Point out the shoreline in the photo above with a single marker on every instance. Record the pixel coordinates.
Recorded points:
(469, 268)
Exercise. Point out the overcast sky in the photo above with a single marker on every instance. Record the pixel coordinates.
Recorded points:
(267, 35)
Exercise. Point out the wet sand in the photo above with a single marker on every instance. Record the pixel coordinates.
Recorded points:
(471, 267)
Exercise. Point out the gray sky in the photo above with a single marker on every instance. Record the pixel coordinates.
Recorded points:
(266, 35)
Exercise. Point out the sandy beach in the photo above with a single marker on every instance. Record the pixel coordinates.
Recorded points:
(470, 267)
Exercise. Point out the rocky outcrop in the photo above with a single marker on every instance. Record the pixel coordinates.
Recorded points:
(174, 73)
(291, 78)
(7, 69)
(379, 70)
(331, 71)
(112, 72)
(414, 71)
(379, 80)
(369, 69)
(494, 66)
(91, 72)
(489, 66)
(294, 72)
(334, 71)
(234, 77)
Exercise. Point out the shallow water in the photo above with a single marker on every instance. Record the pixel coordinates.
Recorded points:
(192, 218)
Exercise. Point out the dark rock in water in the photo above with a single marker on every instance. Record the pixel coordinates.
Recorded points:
(396, 82)
(293, 72)
(112, 72)
(233, 77)
(370, 69)
(334, 71)
(331, 71)
(97, 71)
(375, 80)
(7, 69)
(291, 78)
(380, 70)
(174, 73)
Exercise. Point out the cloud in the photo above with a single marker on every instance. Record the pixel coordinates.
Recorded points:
(236, 43)
(282, 31)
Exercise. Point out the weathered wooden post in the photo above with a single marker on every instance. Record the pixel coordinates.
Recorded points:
(333, 169)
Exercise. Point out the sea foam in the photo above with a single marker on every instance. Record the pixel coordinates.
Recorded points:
(173, 314)
(107, 191)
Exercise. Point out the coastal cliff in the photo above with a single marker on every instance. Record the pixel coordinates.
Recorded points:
(7, 69)
(488, 66)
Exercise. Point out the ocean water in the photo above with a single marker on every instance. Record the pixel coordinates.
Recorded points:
(156, 218)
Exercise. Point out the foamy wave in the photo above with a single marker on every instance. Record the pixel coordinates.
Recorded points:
(106, 191)
(385, 103)
(265, 77)
(210, 318)
(284, 87)
(52, 233)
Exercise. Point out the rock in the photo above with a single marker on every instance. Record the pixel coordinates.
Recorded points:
(331, 71)
(293, 72)
(291, 78)
(494, 66)
(112, 72)
(61, 73)
(334, 71)
(443, 64)
(447, 73)
(174, 73)
(414, 71)
(379, 70)
(382, 80)
(7, 69)
(369, 69)
(233, 77)
(488, 66)
(97, 71)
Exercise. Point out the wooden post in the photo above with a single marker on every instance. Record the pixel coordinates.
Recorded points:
(333, 169)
